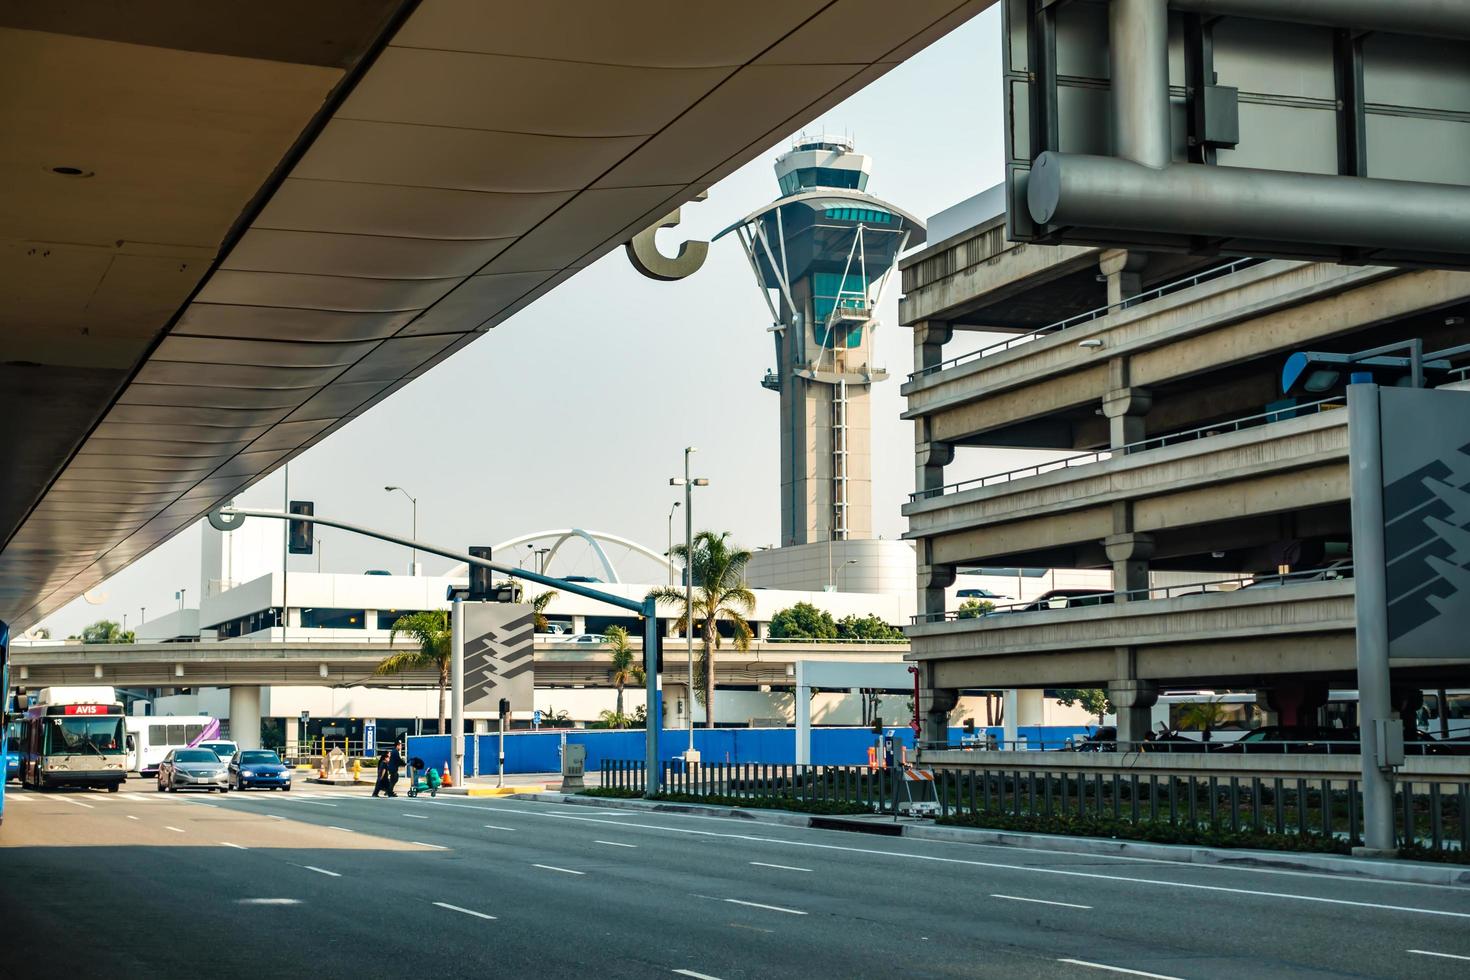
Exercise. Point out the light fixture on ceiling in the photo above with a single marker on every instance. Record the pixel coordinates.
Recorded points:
(1091, 343)
(70, 172)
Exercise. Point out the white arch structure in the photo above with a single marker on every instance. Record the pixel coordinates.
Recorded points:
(561, 535)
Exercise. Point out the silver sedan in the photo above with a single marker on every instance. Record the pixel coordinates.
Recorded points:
(192, 769)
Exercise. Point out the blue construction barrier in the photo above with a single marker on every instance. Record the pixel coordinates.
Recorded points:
(540, 751)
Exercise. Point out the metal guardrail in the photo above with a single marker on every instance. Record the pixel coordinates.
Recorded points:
(1204, 276)
(1430, 812)
(1109, 597)
(1143, 445)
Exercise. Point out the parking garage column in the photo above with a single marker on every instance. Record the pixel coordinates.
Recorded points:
(933, 581)
(1133, 701)
(1125, 406)
(930, 459)
(935, 706)
(245, 716)
(1123, 271)
(1129, 551)
(930, 336)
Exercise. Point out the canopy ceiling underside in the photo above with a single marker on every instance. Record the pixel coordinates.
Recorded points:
(288, 211)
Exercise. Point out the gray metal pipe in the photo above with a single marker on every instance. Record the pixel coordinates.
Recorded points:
(1235, 202)
(1441, 18)
(1138, 38)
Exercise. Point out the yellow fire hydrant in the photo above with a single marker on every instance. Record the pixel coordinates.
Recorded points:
(357, 770)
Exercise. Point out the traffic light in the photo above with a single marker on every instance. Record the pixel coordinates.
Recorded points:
(299, 533)
(479, 575)
(504, 707)
(1317, 373)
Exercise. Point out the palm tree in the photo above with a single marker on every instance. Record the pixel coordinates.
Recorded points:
(431, 629)
(624, 670)
(538, 609)
(717, 570)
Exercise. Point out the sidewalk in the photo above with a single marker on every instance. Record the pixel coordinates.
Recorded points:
(1414, 872)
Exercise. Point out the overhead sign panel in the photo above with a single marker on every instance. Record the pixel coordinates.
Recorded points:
(1336, 130)
(1426, 521)
(499, 637)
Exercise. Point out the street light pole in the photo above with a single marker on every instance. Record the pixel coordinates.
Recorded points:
(842, 573)
(670, 553)
(689, 483)
(413, 555)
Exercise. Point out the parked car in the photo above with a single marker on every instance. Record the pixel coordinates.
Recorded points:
(590, 639)
(222, 747)
(192, 769)
(1297, 740)
(1067, 599)
(980, 594)
(1340, 569)
(258, 768)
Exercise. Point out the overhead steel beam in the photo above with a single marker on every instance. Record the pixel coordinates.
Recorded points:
(1141, 80)
(1235, 202)
(1443, 18)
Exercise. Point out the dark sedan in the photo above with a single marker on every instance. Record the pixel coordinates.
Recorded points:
(258, 769)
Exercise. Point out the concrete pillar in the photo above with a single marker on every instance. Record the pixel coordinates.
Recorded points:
(1129, 551)
(1123, 271)
(245, 716)
(1133, 700)
(579, 624)
(935, 706)
(930, 336)
(1030, 707)
(933, 580)
(1126, 410)
(930, 459)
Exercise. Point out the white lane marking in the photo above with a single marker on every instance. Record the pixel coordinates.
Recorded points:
(238, 847)
(197, 803)
(1244, 869)
(758, 905)
(85, 806)
(1040, 901)
(1065, 872)
(696, 976)
(437, 847)
(1119, 969)
(345, 830)
(552, 867)
(174, 829)
(456, 908)
(613, 843)
(312, 802)
(275, 816)
(1430, 952)
(491, 826)
(413, 816)
(268, 901)
(12, 795)
(320, 871)
(779, 867)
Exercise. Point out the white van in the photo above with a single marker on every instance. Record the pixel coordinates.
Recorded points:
(150, 737)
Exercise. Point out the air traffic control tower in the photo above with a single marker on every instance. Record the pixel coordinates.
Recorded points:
(822, 254)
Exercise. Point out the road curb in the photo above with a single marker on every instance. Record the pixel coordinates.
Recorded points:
(1412, 872)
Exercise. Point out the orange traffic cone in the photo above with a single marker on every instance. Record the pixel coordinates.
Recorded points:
(447, 780)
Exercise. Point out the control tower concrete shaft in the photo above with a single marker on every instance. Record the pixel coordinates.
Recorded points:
(822, 255)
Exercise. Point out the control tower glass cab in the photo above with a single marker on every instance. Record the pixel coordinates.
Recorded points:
(822, 255)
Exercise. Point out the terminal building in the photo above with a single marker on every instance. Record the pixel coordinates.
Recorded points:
(1219, 506)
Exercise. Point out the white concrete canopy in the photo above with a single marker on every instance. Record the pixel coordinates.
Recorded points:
(222, 238)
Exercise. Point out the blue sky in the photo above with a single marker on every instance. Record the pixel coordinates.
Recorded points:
(575, 412)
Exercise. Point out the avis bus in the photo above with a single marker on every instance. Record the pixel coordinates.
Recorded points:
(73, 736)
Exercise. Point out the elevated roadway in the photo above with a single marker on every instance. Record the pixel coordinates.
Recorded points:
(336, 664)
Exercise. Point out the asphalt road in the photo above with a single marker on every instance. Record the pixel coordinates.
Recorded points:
(332, 883)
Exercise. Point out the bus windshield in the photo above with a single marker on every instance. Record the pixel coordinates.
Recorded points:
(72, 736)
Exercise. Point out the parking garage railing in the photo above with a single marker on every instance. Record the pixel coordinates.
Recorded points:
(1329, 573)
(1143, 445)
(1206, 275)
(1322, 810)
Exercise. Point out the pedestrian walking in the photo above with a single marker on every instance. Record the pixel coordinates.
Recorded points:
(381, 784)
(395, 763)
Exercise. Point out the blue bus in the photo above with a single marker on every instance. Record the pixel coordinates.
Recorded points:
(5, 707)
